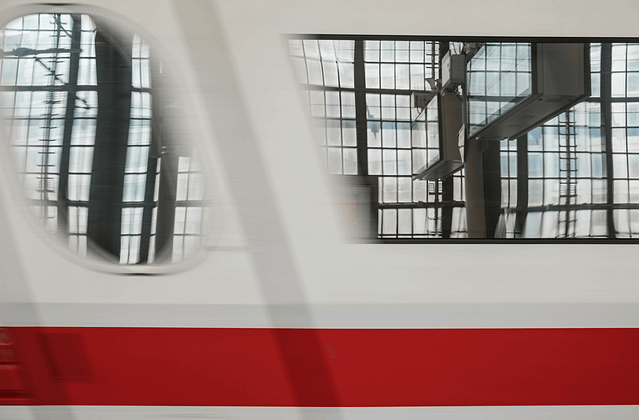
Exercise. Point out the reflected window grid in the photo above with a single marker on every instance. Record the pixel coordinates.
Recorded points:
(140, 183)
(323, 62)
(625, 138)
(330, 64)
(333, 116)
(36, 49)
(509, 175)
(399, 141)
(398, 147)
(459, 228)
(625, 70)
(567, 174)
(189, 210)
(508, 170)
(499, 77)
(136, 170)
(566, 170)
(595, 70)
(87, 64)
(400, 64)
(131, 235)
(35, 73)
(36, 54)
(141, 76)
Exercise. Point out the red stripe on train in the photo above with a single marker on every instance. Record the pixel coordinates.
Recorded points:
(365, 367)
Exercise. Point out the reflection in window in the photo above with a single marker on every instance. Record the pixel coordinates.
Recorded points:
(499, 77)
(400, 64)
(565, 176)
(323, 62)
(78, 114)
(189, 209)
(625, 70)
(326, 64)
(624, 110)
(575, 176)
(581, 169)
(367, 126)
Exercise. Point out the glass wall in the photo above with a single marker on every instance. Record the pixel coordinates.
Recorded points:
(581, 174)
(574, 176)
(499, 77)
(84, 128)
(359, 95)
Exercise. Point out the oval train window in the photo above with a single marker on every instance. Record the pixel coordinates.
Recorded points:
(84, 119)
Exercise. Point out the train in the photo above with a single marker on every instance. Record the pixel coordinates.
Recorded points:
(266, 306)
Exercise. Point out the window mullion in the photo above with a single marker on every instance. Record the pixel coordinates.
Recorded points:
(606, 122)
(362, 142)
(74, 64)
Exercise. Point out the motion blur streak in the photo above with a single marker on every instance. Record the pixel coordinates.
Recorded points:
(268, 246)
(14, 290)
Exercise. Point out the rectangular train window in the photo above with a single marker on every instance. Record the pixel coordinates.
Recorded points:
(478, 138)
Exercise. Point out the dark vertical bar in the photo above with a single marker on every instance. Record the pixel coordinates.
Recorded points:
(362, 141)
(606, 125)
(360, 109)
(112, 133)
(492, 176)
(447, 184)
(154, 153)
(168, 154)
(166, 203)
(74, 65)
(147, 212)
(473, 168)
(447, 209)
(492, 187)
(522, 185)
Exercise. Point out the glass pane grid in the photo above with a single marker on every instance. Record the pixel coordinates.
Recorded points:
(35, 80)
(400, 64)
(139, 181)
(131, 235)
(189, 211)
(508, 169)
(625, 138)
(137, 156)
(625, 70)
(324, 62)
(398, 140)
(36, 51)
(595, 70)
(567, 170)
(459, 228)
(141, 77)
(53, 130)
(333, 115)
(409, 223)
(499, 77)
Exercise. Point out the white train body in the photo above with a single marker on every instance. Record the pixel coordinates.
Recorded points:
(276, 257)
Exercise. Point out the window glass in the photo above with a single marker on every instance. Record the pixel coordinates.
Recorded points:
(81, 113)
